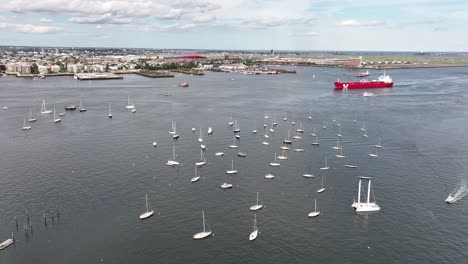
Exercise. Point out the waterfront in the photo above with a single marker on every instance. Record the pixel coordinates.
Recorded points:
(96, 170)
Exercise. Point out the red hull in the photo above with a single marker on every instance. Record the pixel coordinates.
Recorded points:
(362, 85)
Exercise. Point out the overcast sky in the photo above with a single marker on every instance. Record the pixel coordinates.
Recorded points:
(391, 25)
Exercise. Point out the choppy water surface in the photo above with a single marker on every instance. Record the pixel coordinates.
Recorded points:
(96, 170)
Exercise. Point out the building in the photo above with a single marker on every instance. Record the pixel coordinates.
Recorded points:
(55, 68)
(25, 69)
(354, 62)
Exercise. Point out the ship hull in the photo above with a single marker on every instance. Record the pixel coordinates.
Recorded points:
(362, 85)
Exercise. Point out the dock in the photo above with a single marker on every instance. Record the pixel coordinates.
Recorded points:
(155, 74)
(189, 71)
(97, 76)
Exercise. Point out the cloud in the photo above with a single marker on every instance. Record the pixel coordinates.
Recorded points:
(305, 34)
(357, 23)
(204, 19)
(172, 27)
(440, 29)
(276, 21)
(28, 28)
(101, 37)
(45, 20)
(2, 18)
(196, 4)
(102, 19)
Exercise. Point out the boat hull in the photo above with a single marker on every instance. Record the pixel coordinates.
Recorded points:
(362, 85)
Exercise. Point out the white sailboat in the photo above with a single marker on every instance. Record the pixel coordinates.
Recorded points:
(173, 162)
(274, 123)
(363, 128)
(210, 130)
(148, 213)
(375, 154)
(316, 143)
(237, 129)
(308, 175)
(232, 170)
(200, 139)
(269, 176)
(321, 189)
(288, 140)
(297, 136)
(275, 163)
(219, 154)
(337, 147)
(365, 206)
(230, 120)
(315, 212)
(202, 159)
(110, 112)
(196, 177)
(339, 134)
(284, 147)
(315, 133)
(155, 144)
(56, 118)
(205, 233)
(81, 108)
(44, 109)
(30, 116)
(326, 166)
(254, 131)
(25, 127)
(257, 206)
(226, 186)
(379, 145)
(173, 129)
(266, 133)
(233, 146)
(254, 233)
(130, 104)
(310, 116)
(341, 154)
(283, 155)
(300, 130)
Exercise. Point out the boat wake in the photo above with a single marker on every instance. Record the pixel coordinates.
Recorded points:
(458, 193)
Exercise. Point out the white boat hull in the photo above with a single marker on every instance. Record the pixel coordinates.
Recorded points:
(253, 235)
(146, 215)
(195, 179)
(314, 214)
(306, 175)
(231, 172)
(321, 190)
(201, 235)
(256, 207)
(366, 207)
(269, 176)
(172, 163)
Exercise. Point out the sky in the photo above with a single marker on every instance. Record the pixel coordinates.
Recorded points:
(341, 25)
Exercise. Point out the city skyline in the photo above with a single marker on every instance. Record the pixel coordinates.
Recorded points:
(419, 25)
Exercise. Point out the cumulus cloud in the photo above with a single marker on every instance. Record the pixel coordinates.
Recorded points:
(28, 28)
(204, 19)
(172, 27)
(357, 23)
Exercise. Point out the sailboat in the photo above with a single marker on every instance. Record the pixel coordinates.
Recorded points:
(173, 162)
(285, 116)
(200, 139)
(173, 132)
(300, 130)
(315, 212)
(297, 136)
(254, 233)
(210, 131)
(363, 128)
(269, 176)
(81, 107)
(56, 119)
(288, 140)
(25, 127)
(341, 154)
(155, 144)
(375, 154)
(365, 206)
(205, 233)
(321, 189)
(310, 116)
(274, 120)
(30, 117)
(130, 104)
(379, 145)
(148, 213)
(326, 166)
(266, 133)
(365, 133)
(234, 146)
(202, 159)
(254, 131)
(337, 147)
(44, 109)
(196, 177)
(283, 155)
(256, 206)
(110, 112)
(226, 185)
(275, 163)
(230, 120)
(232, 170)
(316, 143)
(284, 147)
(339, 134)
(237, 129)
(315, 133)
(307, 175)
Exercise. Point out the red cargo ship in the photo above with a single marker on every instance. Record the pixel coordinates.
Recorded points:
(384, 81)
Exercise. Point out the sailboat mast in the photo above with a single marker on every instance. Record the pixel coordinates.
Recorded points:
(368, 192)
(232, 164)
(359, 192)
(257, 198)
(203, 215)
(146, 198)
(173, 152)
(315, 207)
(255, 221)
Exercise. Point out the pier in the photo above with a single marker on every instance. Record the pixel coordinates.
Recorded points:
(95, 76)
(155, 74)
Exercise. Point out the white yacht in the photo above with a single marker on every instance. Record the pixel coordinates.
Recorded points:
(148, 213)
(206, 233)
(257, 206)
(365, 206)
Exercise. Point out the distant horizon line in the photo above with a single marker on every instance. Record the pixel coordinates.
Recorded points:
(236, 50)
